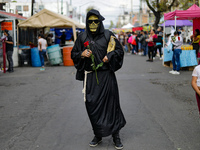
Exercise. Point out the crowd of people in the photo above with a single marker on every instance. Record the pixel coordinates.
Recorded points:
(151, 43)
(143, 43)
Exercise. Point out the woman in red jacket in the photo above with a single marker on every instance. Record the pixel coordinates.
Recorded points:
(151, 45)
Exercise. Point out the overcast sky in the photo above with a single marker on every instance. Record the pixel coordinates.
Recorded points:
(110, 9)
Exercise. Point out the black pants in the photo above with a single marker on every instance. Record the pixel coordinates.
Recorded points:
(159, 47)
(196, 47)
(151, 52)
(10, 60)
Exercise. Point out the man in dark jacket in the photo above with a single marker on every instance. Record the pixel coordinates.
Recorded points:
(9, 50)
(101, 98)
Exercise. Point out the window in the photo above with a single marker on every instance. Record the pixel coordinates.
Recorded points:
(41, 7)
(19, 8)
(25, 8)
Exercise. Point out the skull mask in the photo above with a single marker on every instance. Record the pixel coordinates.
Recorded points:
(93, 22)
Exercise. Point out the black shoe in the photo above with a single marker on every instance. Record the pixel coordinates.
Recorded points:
(117, 142)
(10, 71)
(95, 141)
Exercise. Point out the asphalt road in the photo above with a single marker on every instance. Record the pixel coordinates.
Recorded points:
(46, 111)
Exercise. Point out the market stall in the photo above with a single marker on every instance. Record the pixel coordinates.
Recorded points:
(137, 29)
(179, 23)
(48, 19)
(188, 57)
(9, 21)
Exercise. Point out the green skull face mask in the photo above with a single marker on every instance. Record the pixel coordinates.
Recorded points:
(93, 22)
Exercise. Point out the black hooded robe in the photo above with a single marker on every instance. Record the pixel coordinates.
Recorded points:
(102, 101)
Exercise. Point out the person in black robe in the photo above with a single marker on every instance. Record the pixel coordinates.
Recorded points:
(101, 100)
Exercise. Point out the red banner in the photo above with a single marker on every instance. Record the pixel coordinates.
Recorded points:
(6, 25)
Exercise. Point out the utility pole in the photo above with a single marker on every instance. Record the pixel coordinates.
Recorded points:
(58, 6)
(80, 16)
(131, 11)
(32, 5)
(123, 14)
(62, 7)
(140, 12)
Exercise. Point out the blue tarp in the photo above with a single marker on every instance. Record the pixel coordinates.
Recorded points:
(68, 32)
(187, 57)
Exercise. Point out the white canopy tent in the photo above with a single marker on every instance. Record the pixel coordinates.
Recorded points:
(47, 18)
(128, 26)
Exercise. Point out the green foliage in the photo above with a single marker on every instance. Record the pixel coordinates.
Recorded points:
(111, 24)
(185, 4)
(89, 8)
(158, 7)
(94, 67)
(99, 65)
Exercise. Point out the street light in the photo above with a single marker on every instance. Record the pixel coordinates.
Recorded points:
(80, 9)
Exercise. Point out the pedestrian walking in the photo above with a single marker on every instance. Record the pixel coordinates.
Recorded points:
(101, 94)
(146, 43)
(128, 45)
(42, 46)
(196, 84)
(9, 50)
(143, 42)
(122, 38)
(177, 42)
(138, 44)
(151, 45)
(133, 43)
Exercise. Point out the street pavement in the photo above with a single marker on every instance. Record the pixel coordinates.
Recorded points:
(45, 110)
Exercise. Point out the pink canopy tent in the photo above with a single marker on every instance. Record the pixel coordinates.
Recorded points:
(193, 13)
(189, 14)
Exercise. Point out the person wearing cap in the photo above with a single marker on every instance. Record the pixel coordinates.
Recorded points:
(9, 50)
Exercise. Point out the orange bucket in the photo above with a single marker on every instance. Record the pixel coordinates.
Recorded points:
(67, 56)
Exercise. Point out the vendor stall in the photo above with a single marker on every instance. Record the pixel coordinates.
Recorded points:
(188, 57)
(46, 19)
(9, 21)
(179, 23)
(137, 29)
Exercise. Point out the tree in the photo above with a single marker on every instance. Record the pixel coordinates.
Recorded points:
(186, 4)
(158, 7)
(111, 24)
